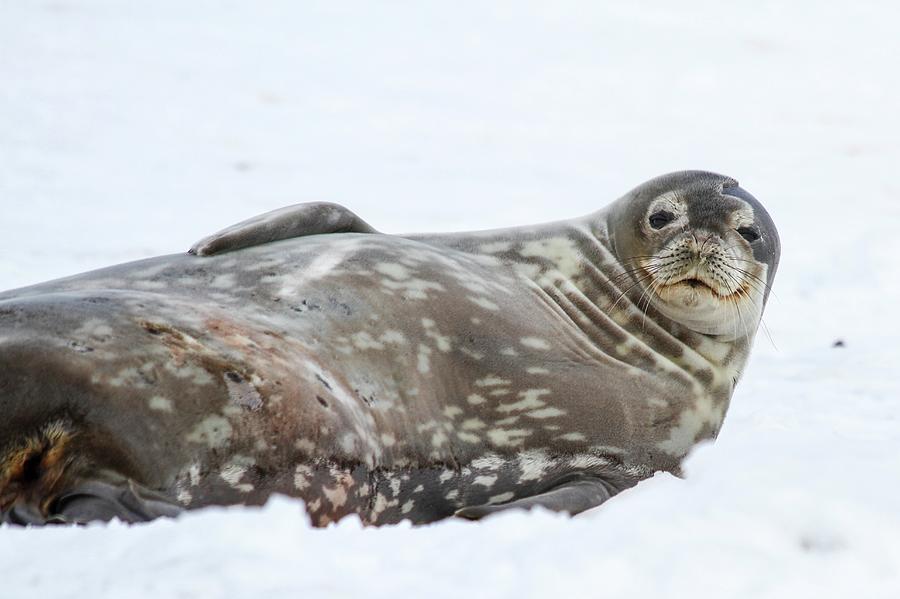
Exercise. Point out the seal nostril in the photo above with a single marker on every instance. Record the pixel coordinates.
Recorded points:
(322, 401)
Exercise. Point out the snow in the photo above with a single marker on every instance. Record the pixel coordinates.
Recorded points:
(131, 129)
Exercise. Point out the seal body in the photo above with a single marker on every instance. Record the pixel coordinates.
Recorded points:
(391, 377)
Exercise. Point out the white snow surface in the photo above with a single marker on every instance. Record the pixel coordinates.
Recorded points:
(130, 129)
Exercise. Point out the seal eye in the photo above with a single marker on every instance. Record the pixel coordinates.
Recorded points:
(749, 234)
(660, 219)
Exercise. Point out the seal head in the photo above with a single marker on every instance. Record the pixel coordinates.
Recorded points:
(703, 249)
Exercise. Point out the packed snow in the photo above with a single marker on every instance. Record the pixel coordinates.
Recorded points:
(132, 129)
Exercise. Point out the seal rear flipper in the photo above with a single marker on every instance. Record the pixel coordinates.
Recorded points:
(573, 497)
(299, 220)
(60, 474)
(94, 501)
(102, 501)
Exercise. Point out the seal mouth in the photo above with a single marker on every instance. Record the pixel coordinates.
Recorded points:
(694, 283)
(697, 285)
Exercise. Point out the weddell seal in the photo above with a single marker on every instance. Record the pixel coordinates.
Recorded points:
(394, 377)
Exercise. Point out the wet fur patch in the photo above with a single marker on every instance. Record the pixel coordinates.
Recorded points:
(31, 469)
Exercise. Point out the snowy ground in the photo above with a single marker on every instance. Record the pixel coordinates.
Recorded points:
(130, 129)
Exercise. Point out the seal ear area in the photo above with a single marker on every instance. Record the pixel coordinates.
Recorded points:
(572, 497)
(299, 220)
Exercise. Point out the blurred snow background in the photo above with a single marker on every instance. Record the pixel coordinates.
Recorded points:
(131, 129)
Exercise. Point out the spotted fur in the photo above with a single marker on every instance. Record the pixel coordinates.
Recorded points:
(391, 377)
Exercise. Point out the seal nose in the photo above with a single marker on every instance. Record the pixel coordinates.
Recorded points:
(706, 243)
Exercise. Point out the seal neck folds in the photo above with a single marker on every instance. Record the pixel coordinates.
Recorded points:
(577, 272)
(621, 303)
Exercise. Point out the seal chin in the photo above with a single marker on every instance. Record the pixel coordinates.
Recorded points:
(698, 305)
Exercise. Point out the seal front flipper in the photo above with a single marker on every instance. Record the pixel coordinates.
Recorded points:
(573, 497)
(299, 220)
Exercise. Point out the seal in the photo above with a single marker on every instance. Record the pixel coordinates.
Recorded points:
(392, 377)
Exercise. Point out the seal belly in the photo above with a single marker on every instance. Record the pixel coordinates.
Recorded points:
(362, 364)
